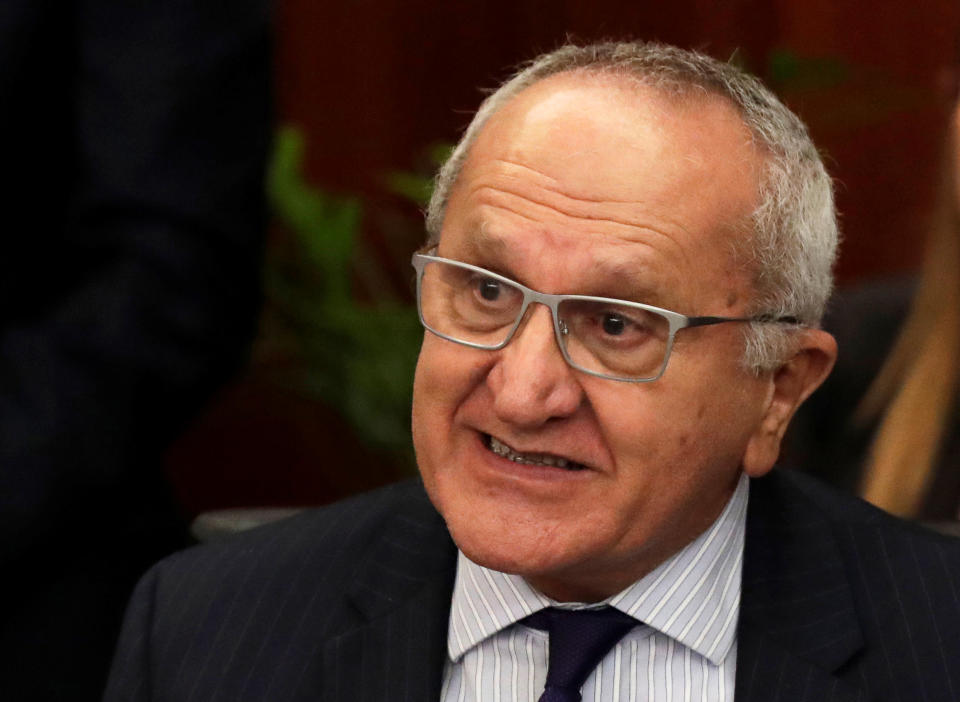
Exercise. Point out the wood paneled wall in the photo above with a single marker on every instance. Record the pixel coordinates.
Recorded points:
(374, 82)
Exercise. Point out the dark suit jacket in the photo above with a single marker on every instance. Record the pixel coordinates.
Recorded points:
(350, 602)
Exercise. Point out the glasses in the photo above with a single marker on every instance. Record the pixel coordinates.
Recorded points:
(608, 338)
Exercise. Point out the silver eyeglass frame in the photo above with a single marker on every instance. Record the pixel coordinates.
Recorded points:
(675, 320)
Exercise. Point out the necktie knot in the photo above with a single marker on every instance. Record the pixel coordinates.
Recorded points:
(579, 639)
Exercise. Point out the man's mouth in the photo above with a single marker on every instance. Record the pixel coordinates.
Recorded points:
(530, 459)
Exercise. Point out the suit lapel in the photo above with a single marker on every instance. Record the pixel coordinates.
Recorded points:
(798, 625)
(402, 592)
(769, 672)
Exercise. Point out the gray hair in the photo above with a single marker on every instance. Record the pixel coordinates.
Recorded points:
(795, 235)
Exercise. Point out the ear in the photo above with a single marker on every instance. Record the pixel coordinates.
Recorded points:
(788, 387)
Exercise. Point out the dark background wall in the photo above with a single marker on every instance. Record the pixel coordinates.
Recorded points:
(373, 83)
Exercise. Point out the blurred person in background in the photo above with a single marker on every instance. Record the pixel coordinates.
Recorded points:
(133, 139)
(885, 422)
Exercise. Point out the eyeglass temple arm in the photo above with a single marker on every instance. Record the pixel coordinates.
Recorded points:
(762, 319)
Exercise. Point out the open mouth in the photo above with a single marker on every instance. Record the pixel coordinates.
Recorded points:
(530, 459)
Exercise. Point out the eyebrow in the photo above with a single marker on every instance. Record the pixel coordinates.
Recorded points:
(489, 251)
(620, 279)
(627, 280)
(482, 241)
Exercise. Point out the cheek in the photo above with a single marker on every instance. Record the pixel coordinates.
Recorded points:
(636, 428)
(676, 428)
(654, 435)
(429, 401)
(445, 377)
(713, 427)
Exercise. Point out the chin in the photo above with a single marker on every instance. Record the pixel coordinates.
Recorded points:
(563, 575)
(498, 537)
(500, 559)
(496, 552)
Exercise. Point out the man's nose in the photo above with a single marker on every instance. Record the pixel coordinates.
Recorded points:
(531, 382)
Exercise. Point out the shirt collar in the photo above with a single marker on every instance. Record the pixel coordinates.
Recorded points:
(692, 597)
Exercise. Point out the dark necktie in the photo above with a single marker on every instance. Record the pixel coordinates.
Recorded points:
(579, 639)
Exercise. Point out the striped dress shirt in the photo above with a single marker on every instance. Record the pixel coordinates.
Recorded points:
(683, 649)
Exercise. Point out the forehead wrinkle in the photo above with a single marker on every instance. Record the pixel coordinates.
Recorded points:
(484, 239)
(625, 277)
(501, 199)
(550, 184)
(521, 166)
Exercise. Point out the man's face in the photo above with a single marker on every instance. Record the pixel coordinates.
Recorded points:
(598, 188)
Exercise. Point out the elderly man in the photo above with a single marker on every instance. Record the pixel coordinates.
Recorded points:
(629, 253)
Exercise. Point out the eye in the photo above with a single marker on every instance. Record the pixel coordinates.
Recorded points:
(488, 289)
(613, 324)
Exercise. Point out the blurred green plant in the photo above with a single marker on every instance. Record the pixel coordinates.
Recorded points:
(790, 70)
(417, 187)
(356, 355)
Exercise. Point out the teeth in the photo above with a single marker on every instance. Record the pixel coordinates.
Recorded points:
(531, 459)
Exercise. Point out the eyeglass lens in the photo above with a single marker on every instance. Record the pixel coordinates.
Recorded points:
(611, 339)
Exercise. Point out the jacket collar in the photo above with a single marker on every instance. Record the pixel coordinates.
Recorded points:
(402, 591)
(798, 624)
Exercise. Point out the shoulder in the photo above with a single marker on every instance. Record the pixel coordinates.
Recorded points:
(255, 610)
(333, 534)
(870, 598)
(312, 556)
(885, 558)
(800, 495)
